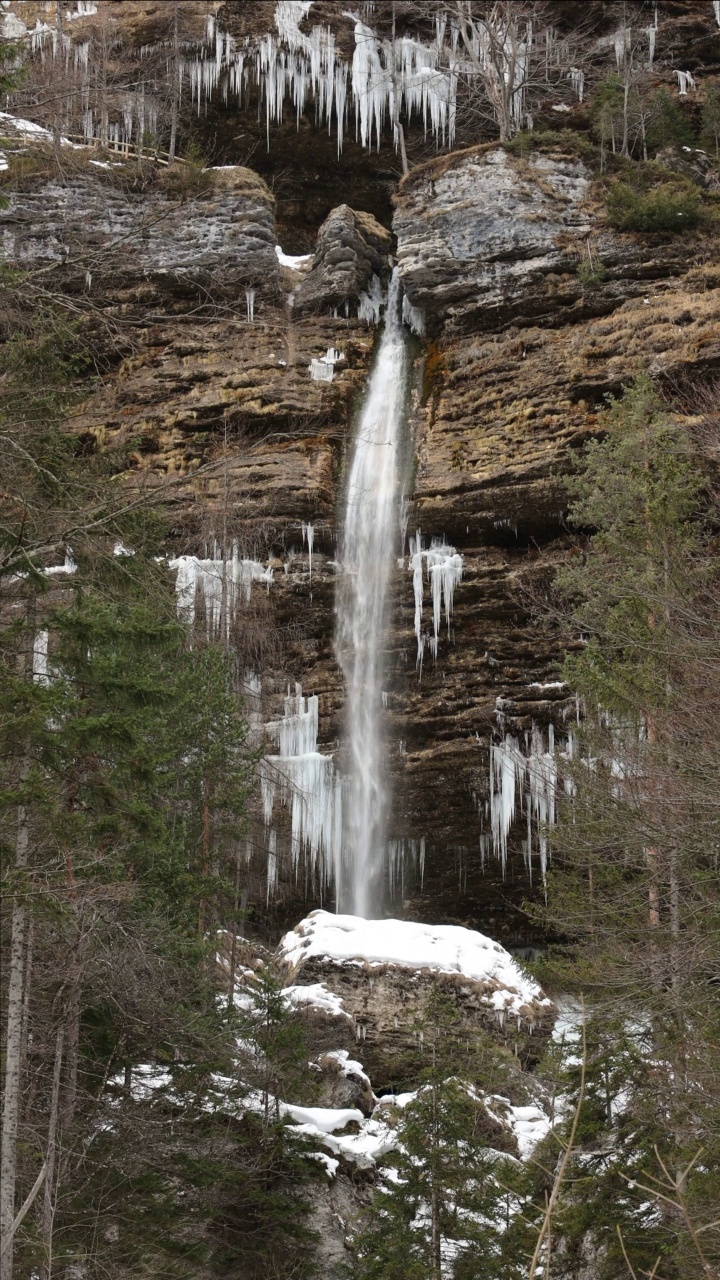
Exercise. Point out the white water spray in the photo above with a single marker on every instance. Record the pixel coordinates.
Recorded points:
(368, 554)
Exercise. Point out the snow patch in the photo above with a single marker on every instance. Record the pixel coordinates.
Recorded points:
(442, 948)
(296, 262)
(317, 996)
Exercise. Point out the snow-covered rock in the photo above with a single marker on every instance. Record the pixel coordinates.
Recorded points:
(384, 972)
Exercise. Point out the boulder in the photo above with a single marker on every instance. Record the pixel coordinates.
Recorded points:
(387, 973)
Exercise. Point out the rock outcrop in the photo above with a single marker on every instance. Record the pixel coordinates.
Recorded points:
(387, 974)
(351, 248)
(102, 236)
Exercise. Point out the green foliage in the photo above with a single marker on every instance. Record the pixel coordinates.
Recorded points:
(667, 125)
(591, 273)
(638, 490)
(632, 884)
(566, 140)
(278, 1065)
(672, 207)
(711, 118)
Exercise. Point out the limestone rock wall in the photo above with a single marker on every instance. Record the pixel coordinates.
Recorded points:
(215, 408)
(519, 359)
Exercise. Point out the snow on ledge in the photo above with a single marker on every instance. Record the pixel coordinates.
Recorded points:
(441, 948)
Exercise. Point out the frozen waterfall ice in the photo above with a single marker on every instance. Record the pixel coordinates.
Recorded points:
(368, 554)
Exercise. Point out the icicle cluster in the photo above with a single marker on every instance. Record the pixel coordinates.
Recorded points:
(444, 570)
(398, 851)
(413, 317)
(577, 80)
(716, 10)
(524, 778)
(622, 43)
(322, 368)
(308, 537)
(307, 783)
(686, 81)
(221, 583)
(371, 303)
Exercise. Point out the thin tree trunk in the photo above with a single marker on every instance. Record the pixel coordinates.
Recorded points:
(175, 89)
(27, 985)
(73, 1043)
(13, 1051)
(50, 1160)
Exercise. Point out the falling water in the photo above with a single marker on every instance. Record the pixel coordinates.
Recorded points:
(368, 551)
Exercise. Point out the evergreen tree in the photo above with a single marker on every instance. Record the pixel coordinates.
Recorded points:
(634, 875)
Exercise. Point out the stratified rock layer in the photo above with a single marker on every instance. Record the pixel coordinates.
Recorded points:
(216, 411)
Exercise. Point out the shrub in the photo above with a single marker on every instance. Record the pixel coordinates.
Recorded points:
(670, 206)
(590, 273)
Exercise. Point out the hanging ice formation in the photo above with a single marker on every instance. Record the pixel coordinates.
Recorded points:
(306, 782)
(220, 583)
(322, 368)
(622, 41)
(524, 780)
(413, 317)
(652, 36)
(386, 79)
(250, 302)
(371, 303)
(367, 556)
(398, 852)
(686, 81)
(577, 80)
(308, 536)
(444, 570)
(716, 10)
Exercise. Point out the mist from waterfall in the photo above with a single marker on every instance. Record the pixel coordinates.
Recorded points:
(368, 553)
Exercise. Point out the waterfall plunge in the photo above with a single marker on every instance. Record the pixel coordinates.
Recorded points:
(368, 552)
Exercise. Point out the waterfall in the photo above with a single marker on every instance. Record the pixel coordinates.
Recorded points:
(368, 553)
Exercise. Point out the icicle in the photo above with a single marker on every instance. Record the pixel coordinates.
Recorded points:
(686, 81)
(220, 583)
(250, 301)
(716, 9)
(370, 303)
(308, 536)
(651, 33)
(444, 567)
(305, 782)
(322, 369)
(622, 42)
(577, 80)
(413, 317)
(272, 866)
(526, 778)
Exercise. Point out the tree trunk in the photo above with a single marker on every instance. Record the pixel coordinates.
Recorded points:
(175, 89)
(50, 1160)
(13, 1050)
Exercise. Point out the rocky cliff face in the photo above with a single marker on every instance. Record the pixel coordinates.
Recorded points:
(215, 406)
(519, 359)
